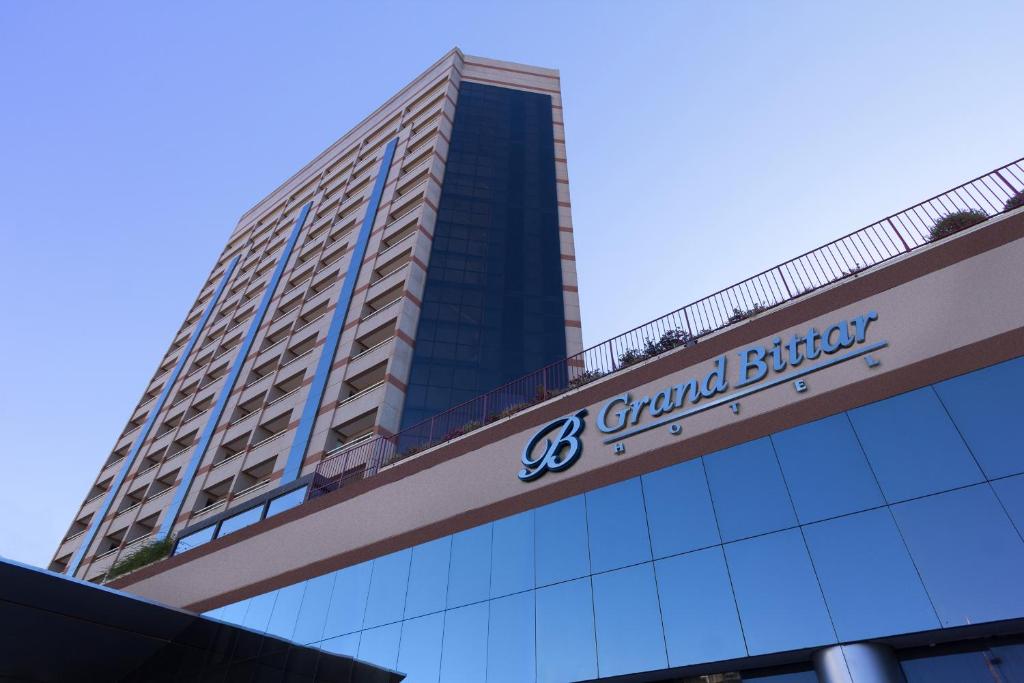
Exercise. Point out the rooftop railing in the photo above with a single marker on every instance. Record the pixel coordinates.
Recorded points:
(970, 203)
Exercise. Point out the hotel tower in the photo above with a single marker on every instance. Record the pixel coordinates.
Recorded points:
(424, 258)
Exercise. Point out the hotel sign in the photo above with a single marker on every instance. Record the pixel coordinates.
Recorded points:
(759, 368)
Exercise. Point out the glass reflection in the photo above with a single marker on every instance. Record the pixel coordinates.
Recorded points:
(510, 640)
(286, 610)
(566, 650)
(469, 578)
(825, 470)
(385, 601)
(779, 600)
(309, 625)
(464, 652)
(561, 531)
(235, 612)
(348, 600)
(342, 645)
(258, 615)
(912, 445)
(1011, 495)
(628, 621)
(428, 577)
(380, 645)
(870, 583)
(239, 521)
(679, 511)
(419, 653)
(618, 526)
(968, 553)
(748, 492)
(698, 609)
(985, 406)
(286, 502)
(512, 554)
(997, 664)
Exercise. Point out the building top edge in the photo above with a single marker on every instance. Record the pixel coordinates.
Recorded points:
(338, 145)
(454, 56)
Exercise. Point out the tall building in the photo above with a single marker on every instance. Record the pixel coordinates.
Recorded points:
(423, 258)
(813, 475)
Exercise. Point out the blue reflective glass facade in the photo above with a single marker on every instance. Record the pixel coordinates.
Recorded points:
(816, 535)
(492, 305)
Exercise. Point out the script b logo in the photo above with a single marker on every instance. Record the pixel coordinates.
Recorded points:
(558, 454)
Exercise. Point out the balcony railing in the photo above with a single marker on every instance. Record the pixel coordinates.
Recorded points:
(845, 257)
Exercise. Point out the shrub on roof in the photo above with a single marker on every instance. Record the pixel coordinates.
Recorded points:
(140, 557)
(1014, 202)
(956, 221)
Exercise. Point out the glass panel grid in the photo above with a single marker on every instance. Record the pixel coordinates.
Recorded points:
(490, 601)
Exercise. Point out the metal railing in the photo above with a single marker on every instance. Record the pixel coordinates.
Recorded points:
(898, 234)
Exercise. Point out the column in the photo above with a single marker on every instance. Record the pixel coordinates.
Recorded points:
(857, 663)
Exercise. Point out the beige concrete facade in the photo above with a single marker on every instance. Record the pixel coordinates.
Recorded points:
(942, 310)
(366, 385)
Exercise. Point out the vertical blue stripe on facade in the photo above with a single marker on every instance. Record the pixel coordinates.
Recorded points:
(147, 426)
(323, 369)
(236, 369)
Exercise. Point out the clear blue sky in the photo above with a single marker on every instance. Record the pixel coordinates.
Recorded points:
(706, 141)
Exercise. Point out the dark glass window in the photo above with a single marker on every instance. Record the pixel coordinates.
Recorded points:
(997, 664)
(492, 305)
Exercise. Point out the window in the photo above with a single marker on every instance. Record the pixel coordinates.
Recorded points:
(749, 494)
(698, 608)
(968, 553)
(211, 496)
(913, 446)
(772, 575)
(628, 621)
(254, 477)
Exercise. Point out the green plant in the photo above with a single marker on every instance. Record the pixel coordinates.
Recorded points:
(147, 553)
(1014, 202)
(739, 314)
(630, 356)
(585, 377)
(956, 221)
(669, 340)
